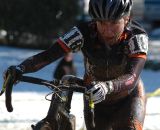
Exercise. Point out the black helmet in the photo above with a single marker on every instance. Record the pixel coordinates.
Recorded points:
(109, 9)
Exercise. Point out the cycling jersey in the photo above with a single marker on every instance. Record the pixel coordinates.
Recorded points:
(119, 64)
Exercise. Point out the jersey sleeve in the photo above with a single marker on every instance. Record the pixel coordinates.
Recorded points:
(138, 44)
(72, 40)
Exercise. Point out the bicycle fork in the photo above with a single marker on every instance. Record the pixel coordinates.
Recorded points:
(59, 110)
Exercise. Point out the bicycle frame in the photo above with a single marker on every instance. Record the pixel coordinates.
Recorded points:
(58, 115)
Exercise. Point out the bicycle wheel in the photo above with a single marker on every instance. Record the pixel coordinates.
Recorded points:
(42, 125)
(67, 123)
(72, 123)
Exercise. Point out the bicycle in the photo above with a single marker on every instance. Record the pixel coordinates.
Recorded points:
(58, 117)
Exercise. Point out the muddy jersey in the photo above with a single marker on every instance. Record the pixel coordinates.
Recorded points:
(118, 65)
(109, 63)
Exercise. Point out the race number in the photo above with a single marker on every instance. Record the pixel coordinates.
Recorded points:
(73, 39)
(139, 43)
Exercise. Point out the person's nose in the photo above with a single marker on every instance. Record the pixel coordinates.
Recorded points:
(108, 30)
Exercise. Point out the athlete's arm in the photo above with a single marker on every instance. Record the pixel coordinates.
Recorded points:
(42, 59)
(138, 47)
(71, 41)
(129, 79)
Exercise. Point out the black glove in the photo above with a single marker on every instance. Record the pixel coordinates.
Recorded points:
(14, 71)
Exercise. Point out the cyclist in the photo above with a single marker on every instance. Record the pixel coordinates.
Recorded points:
(115, 50)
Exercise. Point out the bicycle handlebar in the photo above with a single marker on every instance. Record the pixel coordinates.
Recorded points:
(53, 85)
(8, 85)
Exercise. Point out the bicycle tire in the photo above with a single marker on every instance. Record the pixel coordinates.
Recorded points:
(67, 123)
(42, 125)
(72, 120)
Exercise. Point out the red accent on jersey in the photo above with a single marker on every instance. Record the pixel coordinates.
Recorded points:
(62, 44)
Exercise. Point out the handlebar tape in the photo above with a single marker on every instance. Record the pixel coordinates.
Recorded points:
(8, 84)
(32, 80)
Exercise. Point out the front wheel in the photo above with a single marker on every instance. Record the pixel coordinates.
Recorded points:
(42, 125)
(72, 124)
(67, 123)
(64, 123)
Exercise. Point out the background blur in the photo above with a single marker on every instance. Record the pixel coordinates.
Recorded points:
(29, 26)
(37, 23)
